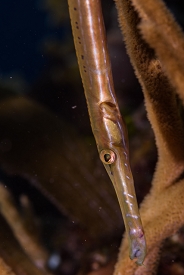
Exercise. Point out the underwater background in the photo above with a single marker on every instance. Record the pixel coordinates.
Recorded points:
(48, 157)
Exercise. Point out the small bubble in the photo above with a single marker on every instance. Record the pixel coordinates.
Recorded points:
(54, 261)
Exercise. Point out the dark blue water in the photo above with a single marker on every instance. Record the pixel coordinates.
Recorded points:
(23, 28)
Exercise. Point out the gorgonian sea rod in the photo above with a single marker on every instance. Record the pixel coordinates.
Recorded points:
(158, 68)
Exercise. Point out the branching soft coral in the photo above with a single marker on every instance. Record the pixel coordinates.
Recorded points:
(25, 233)
(159, 69)
(13, 260)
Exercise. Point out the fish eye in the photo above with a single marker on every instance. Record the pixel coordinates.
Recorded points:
(107, 156)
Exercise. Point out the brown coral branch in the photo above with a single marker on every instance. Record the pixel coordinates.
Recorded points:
(13, 255)
(163, 21)
(166, 124)
(161, 214)
(166, 37)
(5, 269)
(27, 239)
(161, 219)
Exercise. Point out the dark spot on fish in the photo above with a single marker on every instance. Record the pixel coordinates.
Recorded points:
(137, 253)
(110, 170)
(107, 157)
